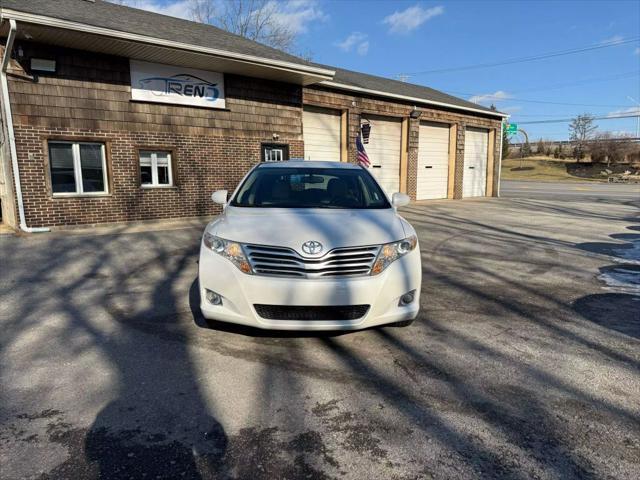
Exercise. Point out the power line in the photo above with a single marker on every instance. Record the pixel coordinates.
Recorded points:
(544, 115)
(531, 58)
(494, 97)
(565, 120)
(608, 78)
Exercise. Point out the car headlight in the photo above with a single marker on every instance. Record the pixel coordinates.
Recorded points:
(390, 252)
(230, 250)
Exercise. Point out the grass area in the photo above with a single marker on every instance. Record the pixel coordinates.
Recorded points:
(541, 169)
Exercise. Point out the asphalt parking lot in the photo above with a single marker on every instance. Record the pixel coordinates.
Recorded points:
(585, 191)
(524, 362)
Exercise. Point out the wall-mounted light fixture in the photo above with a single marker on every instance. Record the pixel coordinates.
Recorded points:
(415, 113)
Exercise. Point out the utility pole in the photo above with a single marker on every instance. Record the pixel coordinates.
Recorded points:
(637, 116)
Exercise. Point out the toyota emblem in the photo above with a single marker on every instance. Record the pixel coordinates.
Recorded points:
(312, 247)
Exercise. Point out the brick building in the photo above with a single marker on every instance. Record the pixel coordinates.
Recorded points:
(103, 123)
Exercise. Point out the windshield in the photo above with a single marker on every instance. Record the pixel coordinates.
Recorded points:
(310, 188)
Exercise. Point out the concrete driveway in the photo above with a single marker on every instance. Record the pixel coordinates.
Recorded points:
(523, 364)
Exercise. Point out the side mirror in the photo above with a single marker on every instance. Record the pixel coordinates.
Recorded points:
(220, 197)
(400, 199)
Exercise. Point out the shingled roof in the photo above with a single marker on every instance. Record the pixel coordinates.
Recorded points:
(397, 88)
(120, 18)
(133, 20)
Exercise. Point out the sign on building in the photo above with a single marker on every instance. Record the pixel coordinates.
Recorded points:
(154, 82)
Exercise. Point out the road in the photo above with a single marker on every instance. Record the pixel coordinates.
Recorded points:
(573, 190)
(524, 361)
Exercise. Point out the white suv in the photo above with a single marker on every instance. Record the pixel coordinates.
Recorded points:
(307, 245)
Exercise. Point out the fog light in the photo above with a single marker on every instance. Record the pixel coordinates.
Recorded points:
(407, 298)
(213, 298)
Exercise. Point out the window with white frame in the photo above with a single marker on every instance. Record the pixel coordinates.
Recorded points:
(155, 169)
(78, 168)
(275, 152)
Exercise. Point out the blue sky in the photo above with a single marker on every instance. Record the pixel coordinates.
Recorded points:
(392, 37)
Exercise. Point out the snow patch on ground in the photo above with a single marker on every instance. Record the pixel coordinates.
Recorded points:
(624, 277)
(628, 255)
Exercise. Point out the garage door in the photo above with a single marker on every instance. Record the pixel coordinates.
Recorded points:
(476, 148)
(433, 161)
(321, 134)
(384, 152)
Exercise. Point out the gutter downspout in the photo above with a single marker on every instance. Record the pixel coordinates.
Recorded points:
(500, 158)
(4, 86)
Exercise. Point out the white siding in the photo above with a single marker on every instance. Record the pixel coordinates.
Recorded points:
(476, 149)
(383, 150)
(433, 161)
(321, 134)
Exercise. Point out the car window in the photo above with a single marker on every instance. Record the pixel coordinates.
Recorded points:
(310, 188)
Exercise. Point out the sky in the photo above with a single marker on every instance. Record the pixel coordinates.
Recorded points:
(390, 38)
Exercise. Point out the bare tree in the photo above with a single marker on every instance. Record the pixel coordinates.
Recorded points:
(203, 11)
(581, 130)
(608, 148)
(257, 20)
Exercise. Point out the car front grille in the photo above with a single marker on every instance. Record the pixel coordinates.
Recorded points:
(332, 312)
(286, 262)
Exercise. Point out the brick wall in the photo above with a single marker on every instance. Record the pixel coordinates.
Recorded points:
(89, 99)
(412, 159)
(203, 164)
(458, 177)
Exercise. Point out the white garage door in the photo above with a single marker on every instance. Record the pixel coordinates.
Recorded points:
(476, 148)
(321, 134)
(384, 151)
(433, 161)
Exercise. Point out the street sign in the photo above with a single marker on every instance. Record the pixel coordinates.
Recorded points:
(511, 127)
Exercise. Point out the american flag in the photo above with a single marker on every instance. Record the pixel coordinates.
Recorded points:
(363, 158)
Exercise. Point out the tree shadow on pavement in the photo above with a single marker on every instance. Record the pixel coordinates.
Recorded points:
(616, 311)
(167, 430)
(156, 421)
(489, 382)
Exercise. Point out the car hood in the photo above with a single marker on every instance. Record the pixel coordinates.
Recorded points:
(292, 227)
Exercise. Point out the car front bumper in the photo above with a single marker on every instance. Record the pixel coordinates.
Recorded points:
(240, 292)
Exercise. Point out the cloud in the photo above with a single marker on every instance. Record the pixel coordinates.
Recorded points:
(490, 97)
(177, 8)
(511, 109)
(612, 40)
(357, 41)
(363, 48)
(296, 15)
(407, 20)
(625, 111)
